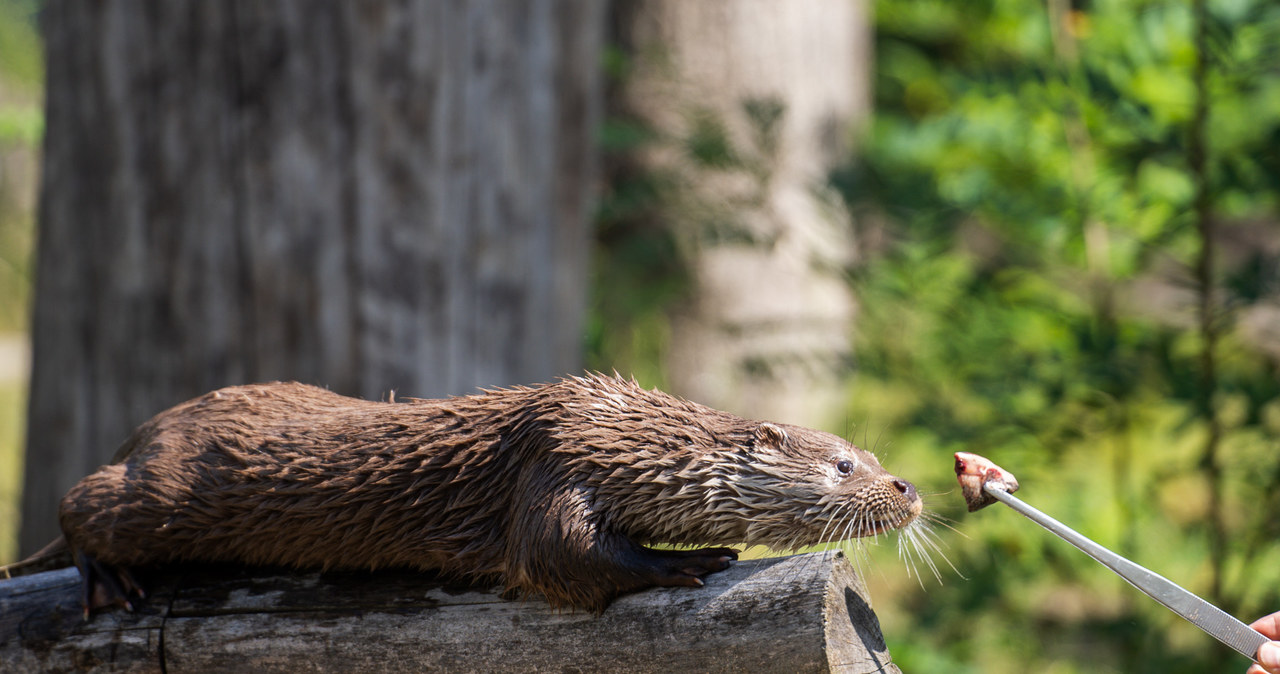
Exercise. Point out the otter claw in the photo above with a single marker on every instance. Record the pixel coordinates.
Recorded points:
(698, 572)
(104, 585)
(688, 567)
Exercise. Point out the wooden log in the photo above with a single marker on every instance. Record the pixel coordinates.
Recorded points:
(807, 613)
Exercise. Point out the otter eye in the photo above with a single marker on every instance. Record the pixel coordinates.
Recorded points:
(844, 466)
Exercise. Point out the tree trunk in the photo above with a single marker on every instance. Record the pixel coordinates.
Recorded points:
(755, 101)
(367, 196)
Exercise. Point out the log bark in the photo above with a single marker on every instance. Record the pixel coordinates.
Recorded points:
(807, 613)
(373, 196)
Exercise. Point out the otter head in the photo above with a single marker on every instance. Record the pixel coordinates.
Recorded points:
(812, 487)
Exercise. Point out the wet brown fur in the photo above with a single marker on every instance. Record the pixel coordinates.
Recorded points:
(552, 490)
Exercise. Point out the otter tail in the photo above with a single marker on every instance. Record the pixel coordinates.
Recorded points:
(55, 555)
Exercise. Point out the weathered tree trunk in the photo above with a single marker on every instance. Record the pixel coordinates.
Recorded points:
(368, 196)
(796, 614)
(759, 98)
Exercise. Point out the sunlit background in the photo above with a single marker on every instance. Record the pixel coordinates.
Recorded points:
(21, 122)
(1067, 225)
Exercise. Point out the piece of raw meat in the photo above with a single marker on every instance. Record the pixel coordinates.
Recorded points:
(973, 471)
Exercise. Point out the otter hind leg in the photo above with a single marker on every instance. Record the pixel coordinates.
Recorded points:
(104, 585)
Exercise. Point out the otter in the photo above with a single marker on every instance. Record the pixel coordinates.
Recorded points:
(556, 490)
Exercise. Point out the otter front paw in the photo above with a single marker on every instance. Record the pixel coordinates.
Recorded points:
(104, 585)
(592, 583)
(686, 568)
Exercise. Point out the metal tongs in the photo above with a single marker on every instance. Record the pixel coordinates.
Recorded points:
(1213, 620)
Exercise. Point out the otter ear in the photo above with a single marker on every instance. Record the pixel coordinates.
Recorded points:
(770, 435)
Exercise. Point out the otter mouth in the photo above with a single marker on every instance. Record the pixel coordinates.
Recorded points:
(888, 522)
(882, 506)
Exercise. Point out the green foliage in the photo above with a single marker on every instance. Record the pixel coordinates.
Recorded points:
(21, 124)
(21, 64)
(1037, 304)
(12, 407)
(638, 272)
(21, 127)
(655, 214)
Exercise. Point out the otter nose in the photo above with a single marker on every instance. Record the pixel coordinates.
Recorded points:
(906, 488)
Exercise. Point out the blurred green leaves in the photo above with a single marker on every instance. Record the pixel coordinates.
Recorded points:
(1035, 301)
(21, 63)
(21, 74)
(21, 128)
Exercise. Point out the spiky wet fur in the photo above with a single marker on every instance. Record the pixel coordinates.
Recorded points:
(551, 490)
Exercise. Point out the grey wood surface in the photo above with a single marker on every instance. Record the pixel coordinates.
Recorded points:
(806, 613)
